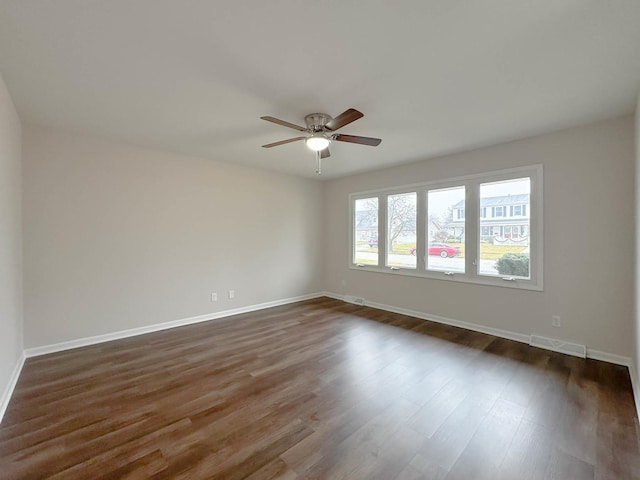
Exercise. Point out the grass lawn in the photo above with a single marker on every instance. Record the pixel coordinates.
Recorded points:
(364, 261)
(494, 252)
(487, 250)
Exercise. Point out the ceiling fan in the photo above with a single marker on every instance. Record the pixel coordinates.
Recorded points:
(319, 136)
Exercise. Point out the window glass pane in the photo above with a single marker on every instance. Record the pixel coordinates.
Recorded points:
(504, 241)
(445, 238)
(401, 230)
(365, 248)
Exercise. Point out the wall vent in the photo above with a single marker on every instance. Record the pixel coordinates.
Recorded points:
(354, 300)
(561, 346)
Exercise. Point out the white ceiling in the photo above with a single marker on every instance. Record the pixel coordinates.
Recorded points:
(431, 76)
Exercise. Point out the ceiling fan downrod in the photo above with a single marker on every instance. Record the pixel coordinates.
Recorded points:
(319, 160)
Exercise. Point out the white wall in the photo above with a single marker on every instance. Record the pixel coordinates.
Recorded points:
(10, 240)
(118, 237)
(588, 240)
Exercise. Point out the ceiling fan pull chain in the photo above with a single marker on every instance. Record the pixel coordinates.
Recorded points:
(319, 159)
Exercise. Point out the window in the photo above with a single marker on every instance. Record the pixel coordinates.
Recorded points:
(445, 236)
(366, 231)
(401, 230)
(518, 210)
(483, 228)
(506, 242)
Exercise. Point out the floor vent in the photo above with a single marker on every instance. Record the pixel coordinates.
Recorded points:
(561, 346)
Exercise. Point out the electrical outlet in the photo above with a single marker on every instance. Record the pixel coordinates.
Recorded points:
(214, 297)
(555, 321)
(232, 293)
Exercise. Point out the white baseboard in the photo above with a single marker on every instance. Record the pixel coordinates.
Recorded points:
(8, 392)
(609, 357)
(107, 337)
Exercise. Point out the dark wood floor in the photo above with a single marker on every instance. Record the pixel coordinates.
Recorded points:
(319, 389)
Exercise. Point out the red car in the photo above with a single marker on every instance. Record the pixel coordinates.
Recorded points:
(441, 249)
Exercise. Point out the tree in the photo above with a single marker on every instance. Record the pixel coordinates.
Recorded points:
(401, 216)
(441, 224)
(369, 215)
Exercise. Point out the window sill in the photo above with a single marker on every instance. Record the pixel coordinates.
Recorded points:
(520, 284)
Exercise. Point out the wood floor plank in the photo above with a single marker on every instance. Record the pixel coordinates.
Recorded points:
(529, 454)
(566, 467)
(434, 413)
(319, 389)
(482, 457)
(577, 428)
(452, 437)
(419, 468)
(275, 470)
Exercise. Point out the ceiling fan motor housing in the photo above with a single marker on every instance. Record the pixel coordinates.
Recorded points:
(316, 122)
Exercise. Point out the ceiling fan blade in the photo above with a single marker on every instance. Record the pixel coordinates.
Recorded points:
(283, 123)
(282, 142)
(345, 118)
(325, 153)
(373, 142)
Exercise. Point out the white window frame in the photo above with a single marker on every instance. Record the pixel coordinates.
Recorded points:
(383, 260)
(472, 229)
(352, 220)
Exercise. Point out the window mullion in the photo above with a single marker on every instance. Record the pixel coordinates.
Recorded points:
(383, 229)
(421, 230)
(472, 229)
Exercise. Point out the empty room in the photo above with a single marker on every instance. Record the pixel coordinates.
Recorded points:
(319, 240)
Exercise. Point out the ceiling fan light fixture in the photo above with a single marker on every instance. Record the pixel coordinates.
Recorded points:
(317, 142)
